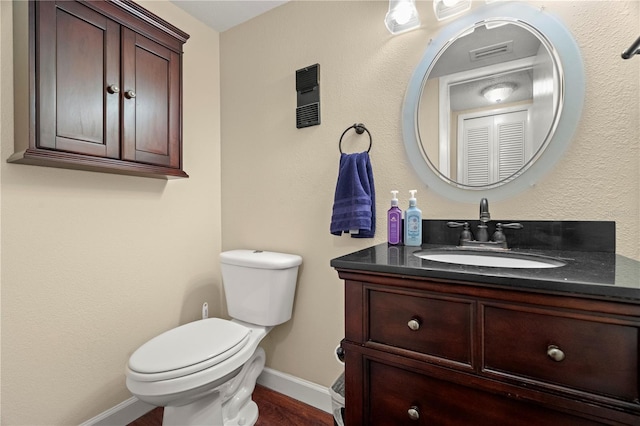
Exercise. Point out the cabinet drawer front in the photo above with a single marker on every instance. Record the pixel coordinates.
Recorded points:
(394, 391)
(589, 355)
(443, 326)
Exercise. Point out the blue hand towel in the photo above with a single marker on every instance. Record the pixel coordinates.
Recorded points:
(354, 205)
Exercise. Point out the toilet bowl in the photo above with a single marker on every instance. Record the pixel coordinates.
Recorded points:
(204, 372)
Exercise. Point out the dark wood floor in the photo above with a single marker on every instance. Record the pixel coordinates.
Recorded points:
(275, 410)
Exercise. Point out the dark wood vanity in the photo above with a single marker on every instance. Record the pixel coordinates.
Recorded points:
(430, 344)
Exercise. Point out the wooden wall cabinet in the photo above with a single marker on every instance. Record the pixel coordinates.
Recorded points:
(430, 352)
(105, 89)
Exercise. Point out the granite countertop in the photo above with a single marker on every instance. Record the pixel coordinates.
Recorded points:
(596, 274)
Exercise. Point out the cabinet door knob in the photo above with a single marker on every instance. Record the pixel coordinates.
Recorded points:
(413, 413)
(414, 324)
(129, 94)
(113, 89)
(555, 353)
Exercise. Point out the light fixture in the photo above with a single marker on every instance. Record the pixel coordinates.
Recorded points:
(444, 9)
(498, 92)
(402, 16)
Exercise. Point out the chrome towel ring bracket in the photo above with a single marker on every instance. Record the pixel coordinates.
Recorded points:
(360, 129)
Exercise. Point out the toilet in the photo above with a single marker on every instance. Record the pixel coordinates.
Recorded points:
(204, 372)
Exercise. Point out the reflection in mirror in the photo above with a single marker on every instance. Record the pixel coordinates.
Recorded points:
(567, 85)
(497, 90)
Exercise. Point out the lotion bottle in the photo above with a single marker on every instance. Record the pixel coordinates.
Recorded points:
(413, 222)
(394, 221)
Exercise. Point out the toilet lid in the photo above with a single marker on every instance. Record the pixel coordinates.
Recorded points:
(193, 346)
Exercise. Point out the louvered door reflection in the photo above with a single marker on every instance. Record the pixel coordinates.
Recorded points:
(510, 138)
(477, 150)
(492, 148)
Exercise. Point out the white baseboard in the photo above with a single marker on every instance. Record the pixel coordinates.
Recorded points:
(302, 390)
(122, 414)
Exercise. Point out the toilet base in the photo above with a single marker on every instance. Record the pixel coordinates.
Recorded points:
(201, 414)
(248, 416)
(228, 405)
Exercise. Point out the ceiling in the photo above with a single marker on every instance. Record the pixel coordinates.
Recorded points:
(224, 14)
(482, 49)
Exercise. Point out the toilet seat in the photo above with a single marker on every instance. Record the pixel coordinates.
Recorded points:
(164, 392)
(187, 349)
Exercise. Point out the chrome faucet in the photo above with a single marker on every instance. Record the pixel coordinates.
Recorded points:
(498, 239)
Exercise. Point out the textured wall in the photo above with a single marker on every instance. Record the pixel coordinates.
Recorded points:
(278, 181)
(93, 265)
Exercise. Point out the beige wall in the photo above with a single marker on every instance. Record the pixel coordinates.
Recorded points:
(278, 181)
(96, 264)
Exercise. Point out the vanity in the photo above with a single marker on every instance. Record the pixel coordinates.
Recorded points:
(436, 335)
(429, 342)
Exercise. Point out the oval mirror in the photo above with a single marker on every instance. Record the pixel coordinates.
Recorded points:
(493, 103)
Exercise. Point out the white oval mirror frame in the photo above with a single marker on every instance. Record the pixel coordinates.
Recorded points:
(565, 50)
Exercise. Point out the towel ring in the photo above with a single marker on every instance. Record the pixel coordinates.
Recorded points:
(360, 129)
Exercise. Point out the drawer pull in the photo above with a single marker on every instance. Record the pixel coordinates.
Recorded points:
(113, 89)
(129, 94)
(414, 324)
(555, 353)
(413, 412)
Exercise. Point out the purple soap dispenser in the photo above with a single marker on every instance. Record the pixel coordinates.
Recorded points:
(394, 221)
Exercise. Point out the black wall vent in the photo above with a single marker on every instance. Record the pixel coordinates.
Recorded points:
(308, 88)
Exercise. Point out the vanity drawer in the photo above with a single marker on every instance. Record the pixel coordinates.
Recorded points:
(394, 391)
(561, 349)
(422, 323)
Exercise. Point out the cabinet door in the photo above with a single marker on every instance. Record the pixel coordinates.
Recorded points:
(151, 104)
(78, 80)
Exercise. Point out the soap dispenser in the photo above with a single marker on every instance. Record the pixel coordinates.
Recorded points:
(394, 221)
(413, 222)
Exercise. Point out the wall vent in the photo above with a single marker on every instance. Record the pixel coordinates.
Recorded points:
(308, 115)
(308, 88)
(491, 51)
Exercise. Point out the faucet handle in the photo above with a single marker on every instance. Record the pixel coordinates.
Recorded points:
(499, 236)
(466, 234)
(457, 224)
(510, 225)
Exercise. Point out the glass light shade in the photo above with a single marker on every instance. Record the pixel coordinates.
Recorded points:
(402, 16)
(499, 92)
(444, 9)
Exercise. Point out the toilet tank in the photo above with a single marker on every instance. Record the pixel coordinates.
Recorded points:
(259, 285)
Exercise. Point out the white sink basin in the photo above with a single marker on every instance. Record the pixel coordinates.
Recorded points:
(494, 260)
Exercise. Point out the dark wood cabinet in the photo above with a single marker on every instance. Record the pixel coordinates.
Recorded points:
(423, 351)
(105, 89)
